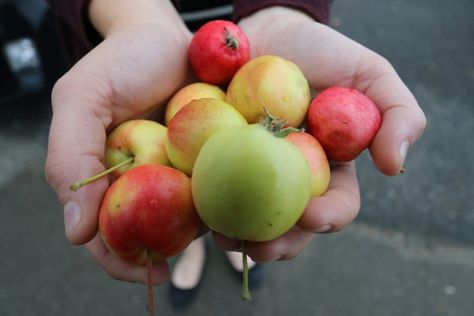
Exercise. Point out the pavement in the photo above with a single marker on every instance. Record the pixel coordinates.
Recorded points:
(409, 252)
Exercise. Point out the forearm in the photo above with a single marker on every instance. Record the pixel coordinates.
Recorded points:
(108, 16)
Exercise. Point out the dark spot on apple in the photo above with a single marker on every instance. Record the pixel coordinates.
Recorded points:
(117, 206)
(270, 224)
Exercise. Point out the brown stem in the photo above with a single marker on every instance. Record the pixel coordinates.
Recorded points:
(151, 296)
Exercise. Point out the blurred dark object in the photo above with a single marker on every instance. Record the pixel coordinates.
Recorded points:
(30, 54)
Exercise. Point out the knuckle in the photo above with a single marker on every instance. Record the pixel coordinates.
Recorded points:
(375, 64)
(352, 205)
(117, 274)
(52, 172)
(383, 64)
(421, 121)
(55, 176)
(113, 274)
(416, 123)
(378, 63)
(61, 87)
(49, 172)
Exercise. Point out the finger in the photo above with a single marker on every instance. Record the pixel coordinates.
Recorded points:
(122, 271)
(285, 247)
(226, 243)
(403, 121)
(338, 206)
(75, 151)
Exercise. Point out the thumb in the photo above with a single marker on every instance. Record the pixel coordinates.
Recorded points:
(403, 120)
(75, 151)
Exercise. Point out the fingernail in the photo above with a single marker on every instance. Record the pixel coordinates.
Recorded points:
(72, 216)
(323, 229)
(403, 153)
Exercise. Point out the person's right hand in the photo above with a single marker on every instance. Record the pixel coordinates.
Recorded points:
(140, 63)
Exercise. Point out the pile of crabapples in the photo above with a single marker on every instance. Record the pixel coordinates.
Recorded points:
(231, 154)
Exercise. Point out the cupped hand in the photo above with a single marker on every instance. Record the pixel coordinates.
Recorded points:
(328, 58)
(129, 75)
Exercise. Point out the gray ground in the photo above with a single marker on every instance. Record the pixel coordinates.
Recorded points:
(410, 252)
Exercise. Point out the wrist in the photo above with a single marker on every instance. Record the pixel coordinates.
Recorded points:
(109, 16)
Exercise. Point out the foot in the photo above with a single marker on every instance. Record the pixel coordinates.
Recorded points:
(187, 273)
(235, 259)
(255, 269)
(188, 269)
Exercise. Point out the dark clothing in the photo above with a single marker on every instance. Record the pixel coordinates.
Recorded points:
(318, 9)
(79, 36)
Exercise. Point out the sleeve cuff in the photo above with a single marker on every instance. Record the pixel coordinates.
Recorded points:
(74, 13)
(317, 9)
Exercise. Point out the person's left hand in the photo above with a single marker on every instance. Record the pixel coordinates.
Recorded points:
(328, 58)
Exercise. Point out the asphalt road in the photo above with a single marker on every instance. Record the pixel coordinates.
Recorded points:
(410, 251)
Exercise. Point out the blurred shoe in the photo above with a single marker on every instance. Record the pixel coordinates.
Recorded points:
(255, 269)
(187, 273)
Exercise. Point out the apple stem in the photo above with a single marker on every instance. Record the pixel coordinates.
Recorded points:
(288, 130)
(246, 296)
(151, 296)
(79, 184)
(276, 125)
(230, 40)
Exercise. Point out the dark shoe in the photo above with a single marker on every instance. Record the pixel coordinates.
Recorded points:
(181, 298)
(256, 276)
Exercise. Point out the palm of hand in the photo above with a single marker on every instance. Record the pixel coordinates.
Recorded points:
(327, 58)
(147, 66)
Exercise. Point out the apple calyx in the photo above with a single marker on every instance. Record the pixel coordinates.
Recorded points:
(278, 126)
(79, 184)
(230, 40)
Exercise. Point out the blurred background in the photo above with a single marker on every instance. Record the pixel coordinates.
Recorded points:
(410, 251)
